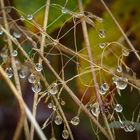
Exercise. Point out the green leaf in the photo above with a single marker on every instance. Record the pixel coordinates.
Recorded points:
(110, 56)
(56, 17)
(107, 57)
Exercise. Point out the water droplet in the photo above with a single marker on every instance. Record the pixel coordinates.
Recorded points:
(119, 69)
(118, 108)
(29, 17)
(53, 89)
(65, 134)
(102, 33)
(22, 18)
(131, 127)
(58, 120)
(22, 74)
(1, 32)
(36, 87)
(38, 67)
(95, 109)
(9, 72)
(103, 89)
(14, 53)
(64, 10)
(17, 35)
(121, 83)
(75, 120)
(125, 52)
(50, 105)
(126, 128)
(31, 78)
(102, 45)
(105, 86)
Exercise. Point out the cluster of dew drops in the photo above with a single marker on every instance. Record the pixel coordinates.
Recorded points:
(120, 83)
(32, 78)
(36, 87)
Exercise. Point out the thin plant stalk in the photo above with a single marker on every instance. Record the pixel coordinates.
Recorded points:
(76, 100)
(95, 83)
(40, 61)
(22, 103)
(64, 118)
(74, 54)
(16, 78)
(121, 30)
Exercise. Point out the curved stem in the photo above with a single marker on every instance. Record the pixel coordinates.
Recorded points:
(121, 30)
(95, 83)
(76, 100)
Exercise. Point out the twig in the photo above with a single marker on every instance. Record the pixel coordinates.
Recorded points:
(121, 30)
(34, 114)
(76, 100)
(20, 48)
(40, 61)
(64, 118)
(95, 83)
(70, 52)
(16, 78)
(22, 103)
